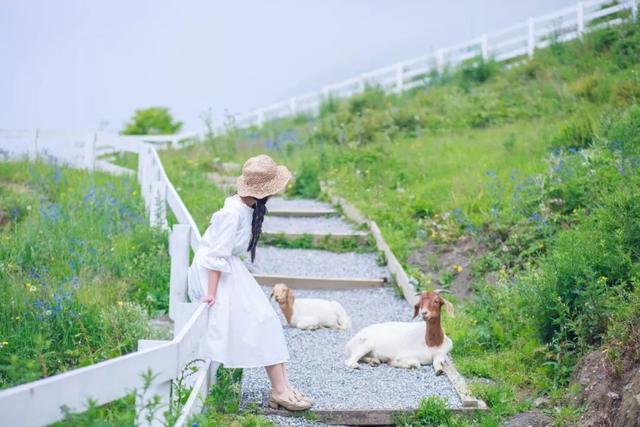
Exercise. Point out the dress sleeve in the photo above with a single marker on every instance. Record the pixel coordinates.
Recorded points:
(218, 242)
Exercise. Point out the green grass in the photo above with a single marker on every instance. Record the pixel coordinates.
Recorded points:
(80, 269)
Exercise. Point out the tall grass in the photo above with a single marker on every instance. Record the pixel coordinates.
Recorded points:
(80, 270)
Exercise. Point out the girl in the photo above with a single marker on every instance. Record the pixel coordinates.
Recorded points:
(244, 330)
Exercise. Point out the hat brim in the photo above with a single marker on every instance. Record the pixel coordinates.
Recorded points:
(264, 189)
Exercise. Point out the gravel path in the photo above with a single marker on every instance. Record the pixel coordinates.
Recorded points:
(316, 263)
(317, 361)
(279, 203)
(321, 225)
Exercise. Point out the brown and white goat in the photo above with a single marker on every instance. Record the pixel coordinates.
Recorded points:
(405, 344)
(310, 313)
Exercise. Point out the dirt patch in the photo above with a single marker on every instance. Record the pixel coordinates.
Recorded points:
(610, 399)
(448, 265)
(529, 419)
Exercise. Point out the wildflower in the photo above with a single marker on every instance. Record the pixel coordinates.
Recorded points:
(48, 312)
(17, 318)
(31, 287)
(4, 344)
(503, 272)
(133, 193)
(120, 303)
(457, 268)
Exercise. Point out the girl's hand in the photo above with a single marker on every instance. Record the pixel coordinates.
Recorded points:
(208, 299)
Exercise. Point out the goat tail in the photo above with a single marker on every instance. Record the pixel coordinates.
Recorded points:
(344, 321)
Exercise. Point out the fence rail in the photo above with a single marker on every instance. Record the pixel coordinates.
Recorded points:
(40, 402)
(511, 44)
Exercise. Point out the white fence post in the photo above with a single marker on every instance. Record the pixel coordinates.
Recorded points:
(484, 47)
(90, 152)
(179, 252)
(152, 403)
(400, 77)
(32, 149)
(531, 41)
(580, 17)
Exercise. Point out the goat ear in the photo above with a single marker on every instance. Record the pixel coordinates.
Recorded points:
(416, 309)
(289, 296)
(449, 307)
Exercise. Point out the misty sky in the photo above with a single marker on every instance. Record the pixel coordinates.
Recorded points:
(75, 64)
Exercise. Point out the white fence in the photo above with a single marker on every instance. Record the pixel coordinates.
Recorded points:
(40, 402)
(506, 46)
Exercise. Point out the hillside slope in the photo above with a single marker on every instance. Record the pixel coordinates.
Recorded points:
(517, 188)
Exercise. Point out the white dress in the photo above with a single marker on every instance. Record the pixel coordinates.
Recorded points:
(244, 331)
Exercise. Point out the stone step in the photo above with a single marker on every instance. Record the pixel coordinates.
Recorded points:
(279, 206)
(316, 264)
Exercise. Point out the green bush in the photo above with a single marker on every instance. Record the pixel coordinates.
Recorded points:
(152, 121)
(307, 182)
(577, 133)
(432, 412)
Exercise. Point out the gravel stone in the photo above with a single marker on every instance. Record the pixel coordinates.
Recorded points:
(317, 361)
(300, 225)
(316, 263)
(282, 204)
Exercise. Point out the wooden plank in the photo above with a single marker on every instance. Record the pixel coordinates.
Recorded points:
(371, 417)
(296, 282)
(302, 212)
(460, 385)
(318, 237)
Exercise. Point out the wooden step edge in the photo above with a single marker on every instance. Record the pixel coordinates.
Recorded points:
(299, 282)
(361, 236)
(302, 212)
(359, 417)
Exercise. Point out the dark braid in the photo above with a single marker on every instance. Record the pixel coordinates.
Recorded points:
(259, 210)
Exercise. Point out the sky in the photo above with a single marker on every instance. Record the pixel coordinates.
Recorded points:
(90, 64)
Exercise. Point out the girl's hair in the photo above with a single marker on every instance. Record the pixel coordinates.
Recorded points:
(259, 210)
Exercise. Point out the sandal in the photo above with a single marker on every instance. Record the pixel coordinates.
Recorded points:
(290, 403)
(301, 396)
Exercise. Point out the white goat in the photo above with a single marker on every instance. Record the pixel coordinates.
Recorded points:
(310, 313)
(405, 344)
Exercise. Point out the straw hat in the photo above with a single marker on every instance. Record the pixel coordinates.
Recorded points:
(262, 177)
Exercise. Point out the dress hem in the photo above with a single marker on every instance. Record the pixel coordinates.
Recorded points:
(249, 366)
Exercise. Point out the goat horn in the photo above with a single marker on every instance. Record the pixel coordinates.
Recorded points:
(443, 291)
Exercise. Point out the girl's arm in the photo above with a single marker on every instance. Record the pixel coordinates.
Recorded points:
(212, 287)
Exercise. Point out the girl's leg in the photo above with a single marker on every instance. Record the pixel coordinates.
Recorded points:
(278, 378)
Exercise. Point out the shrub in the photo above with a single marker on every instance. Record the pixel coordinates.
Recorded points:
(577, 133)
(152, 121)
(432, 412)
(306, 183)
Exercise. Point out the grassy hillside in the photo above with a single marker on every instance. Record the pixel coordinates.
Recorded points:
(537, 164)
(80, 269)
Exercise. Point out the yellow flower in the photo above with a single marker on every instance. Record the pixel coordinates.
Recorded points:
(31, 288)
(120, 303)
(133, 193)
(17, 318)
(503, 272)
(457, 268)
(4, 344)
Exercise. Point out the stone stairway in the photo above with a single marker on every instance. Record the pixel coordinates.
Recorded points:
(370, 395)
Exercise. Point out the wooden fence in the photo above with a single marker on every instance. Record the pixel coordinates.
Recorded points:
(40, 402)
(508, 46)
